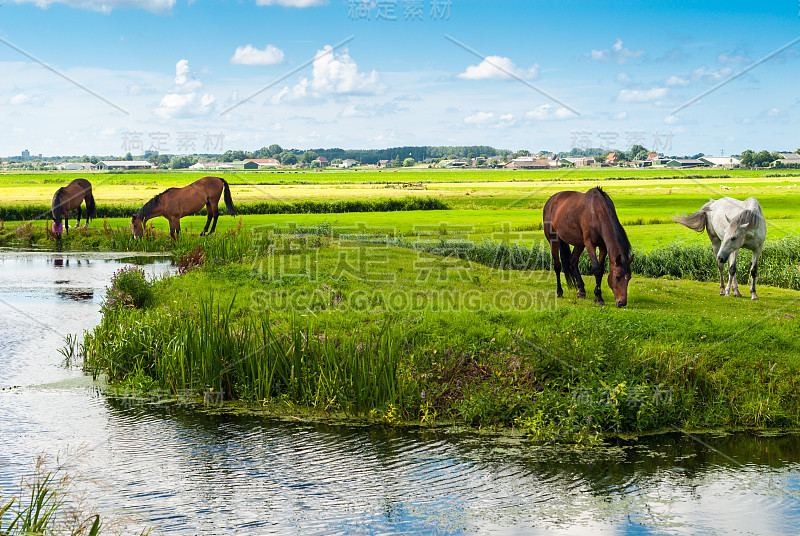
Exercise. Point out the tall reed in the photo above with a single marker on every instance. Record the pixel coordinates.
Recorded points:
(208, 351)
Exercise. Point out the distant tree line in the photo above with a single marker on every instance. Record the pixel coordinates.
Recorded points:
(365, 156)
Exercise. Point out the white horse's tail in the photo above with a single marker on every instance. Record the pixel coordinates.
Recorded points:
(695, 221)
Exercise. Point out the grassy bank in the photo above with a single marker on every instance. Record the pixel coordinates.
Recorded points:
(302, 322)
(42, 212)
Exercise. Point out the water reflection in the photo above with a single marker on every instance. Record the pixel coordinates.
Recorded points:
(76, 294)
(313, 477)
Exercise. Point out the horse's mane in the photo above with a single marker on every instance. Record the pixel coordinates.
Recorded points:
(619, 232)
(749, 217)
(56, 205)
(148, 207)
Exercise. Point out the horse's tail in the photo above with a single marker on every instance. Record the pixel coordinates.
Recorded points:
(91, 207)
(695, 221)
(570, 272)
(228, 199)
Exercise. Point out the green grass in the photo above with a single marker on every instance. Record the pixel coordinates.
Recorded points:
(396, 335)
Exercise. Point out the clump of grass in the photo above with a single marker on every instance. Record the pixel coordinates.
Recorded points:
(249, 360)
(194, 259)
(48, 503)
(24, 232)
(129, 288)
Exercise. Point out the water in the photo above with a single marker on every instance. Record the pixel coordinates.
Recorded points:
(181, 470)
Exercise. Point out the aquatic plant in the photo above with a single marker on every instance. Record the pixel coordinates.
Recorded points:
(129, 288)
(249, 360)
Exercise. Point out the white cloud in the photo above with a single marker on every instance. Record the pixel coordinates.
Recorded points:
(19, 99)
(250, 55)
(333, 74)
(136, 89)
(184, 99)
(370, 110)
(704, 74)
(507, 117)
(618, 53)
(292, 3)
(636, 95)
(676, 81)
(547, 112)
(621, 116)
(106, 6)
(671, 119)
(498, 68)
(623, 78)
(737, 58)
(479, 117)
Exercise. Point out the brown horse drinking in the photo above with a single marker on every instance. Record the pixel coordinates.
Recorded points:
(588, 221)
(68, 198)
(176, 203)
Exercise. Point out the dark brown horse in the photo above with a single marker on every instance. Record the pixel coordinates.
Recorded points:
(176, 203)
(588, 221)
(68, 198)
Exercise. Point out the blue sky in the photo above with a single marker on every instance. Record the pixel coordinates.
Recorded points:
(177, 75)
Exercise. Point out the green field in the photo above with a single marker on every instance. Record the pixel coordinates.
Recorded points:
(393, 334)
(488, 204)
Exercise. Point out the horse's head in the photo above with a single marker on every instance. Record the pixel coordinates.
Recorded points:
(138, 226)
(619, 275)
(733, 240)
(58, 228)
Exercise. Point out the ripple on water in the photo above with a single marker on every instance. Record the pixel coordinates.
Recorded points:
(187, 472)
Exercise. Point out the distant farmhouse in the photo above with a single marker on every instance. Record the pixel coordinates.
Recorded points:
(790, 160)
(264, 163)
(579, 161)
(244, 164)
(125, 164)
(725, 162)
(211, 165)
(76, 166)
(534, 162)
(684, 163)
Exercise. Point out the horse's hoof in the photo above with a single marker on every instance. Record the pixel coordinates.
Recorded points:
(737, 294)
(753, 297)
(599, 302)
(560, 295)
(581, 295)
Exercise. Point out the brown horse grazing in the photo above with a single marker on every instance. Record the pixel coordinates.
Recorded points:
(588, 221)
(176, 203)
(68, 198)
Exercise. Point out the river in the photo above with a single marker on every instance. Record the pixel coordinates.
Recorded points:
(184, 471)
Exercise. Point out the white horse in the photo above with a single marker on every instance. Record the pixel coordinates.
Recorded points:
(731, 224)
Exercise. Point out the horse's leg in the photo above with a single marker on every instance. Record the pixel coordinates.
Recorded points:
(597, 268)
(576, 255)
(598, 277)
(554, 251)
(753, 273)
(208, 219)
(174, 228)
(66, 221)
(78, 223)
(715, 244)
(733, 285)
(215, 210)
